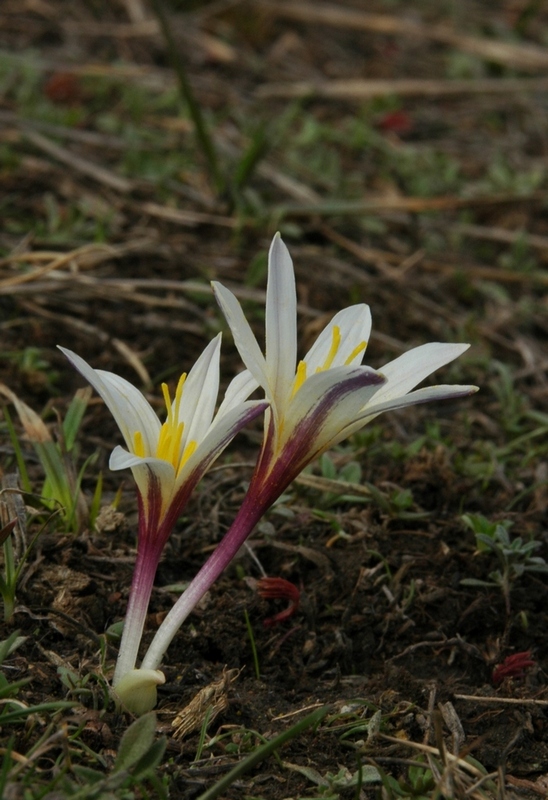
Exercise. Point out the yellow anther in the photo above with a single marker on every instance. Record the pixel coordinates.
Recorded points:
(167, 401)
(179, 395)
(355, 352)
(335, 344)
(138, 444)
(300, 378)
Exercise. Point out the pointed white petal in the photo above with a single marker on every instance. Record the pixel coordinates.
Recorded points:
(143, 469)
(128, 406)
(244, 339)
(281, 321)
(354, 324)
(426, 395)
(405, 372)
(200, 393)
(121, 459)
(237, 391)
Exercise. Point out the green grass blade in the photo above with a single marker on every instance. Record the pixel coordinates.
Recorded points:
(74, 416)
(205, 142)
(23, 713)
(21, 465)
(264, 751)
(253, 645)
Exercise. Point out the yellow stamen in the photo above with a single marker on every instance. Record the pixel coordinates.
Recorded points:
(171, 432)
(167, 401)
(355, 352)
(175, 444)
(179, 394)
(138, 444)
(335, 344)
(300, 378)
(162, 449)
(188, 451)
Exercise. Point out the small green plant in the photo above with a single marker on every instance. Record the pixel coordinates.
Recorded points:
(419, 783)
(7, 689)
(139, 754)
(436, 773)
(354, 719)
(34, 369)
(264, 751)
(62, 486)
(519, 256)
(14, 715)
(505, 177)
(134, 770)
(8, 581)
(396, 503)
(348, 473)
(513, 404)
(345, 485)
(87, 689)
(515, 555)
(13, 540)
(330, 785)
(425, 172)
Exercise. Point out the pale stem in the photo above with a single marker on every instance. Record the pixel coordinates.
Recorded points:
(249, 514)
(139, 596)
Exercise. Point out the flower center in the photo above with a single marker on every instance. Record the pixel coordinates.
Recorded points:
(301, 375)
(171, 432)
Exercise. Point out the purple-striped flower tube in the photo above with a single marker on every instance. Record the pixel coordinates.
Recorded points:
(167, 461)
(313, 405)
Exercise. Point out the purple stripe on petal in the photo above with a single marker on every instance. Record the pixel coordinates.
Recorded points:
(275, 471)
(150, 511)
(306, 432)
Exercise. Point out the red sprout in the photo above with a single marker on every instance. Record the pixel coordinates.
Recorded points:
(63, 88)
(396, 121)
(279, 588)
(512, 666)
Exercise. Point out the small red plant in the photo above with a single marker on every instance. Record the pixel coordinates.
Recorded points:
(396, 121)
(63, 88)
(512, 666)
(279, 588)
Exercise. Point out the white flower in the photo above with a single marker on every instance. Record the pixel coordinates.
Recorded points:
(167, 461)
(328, 395)
(313, 405)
